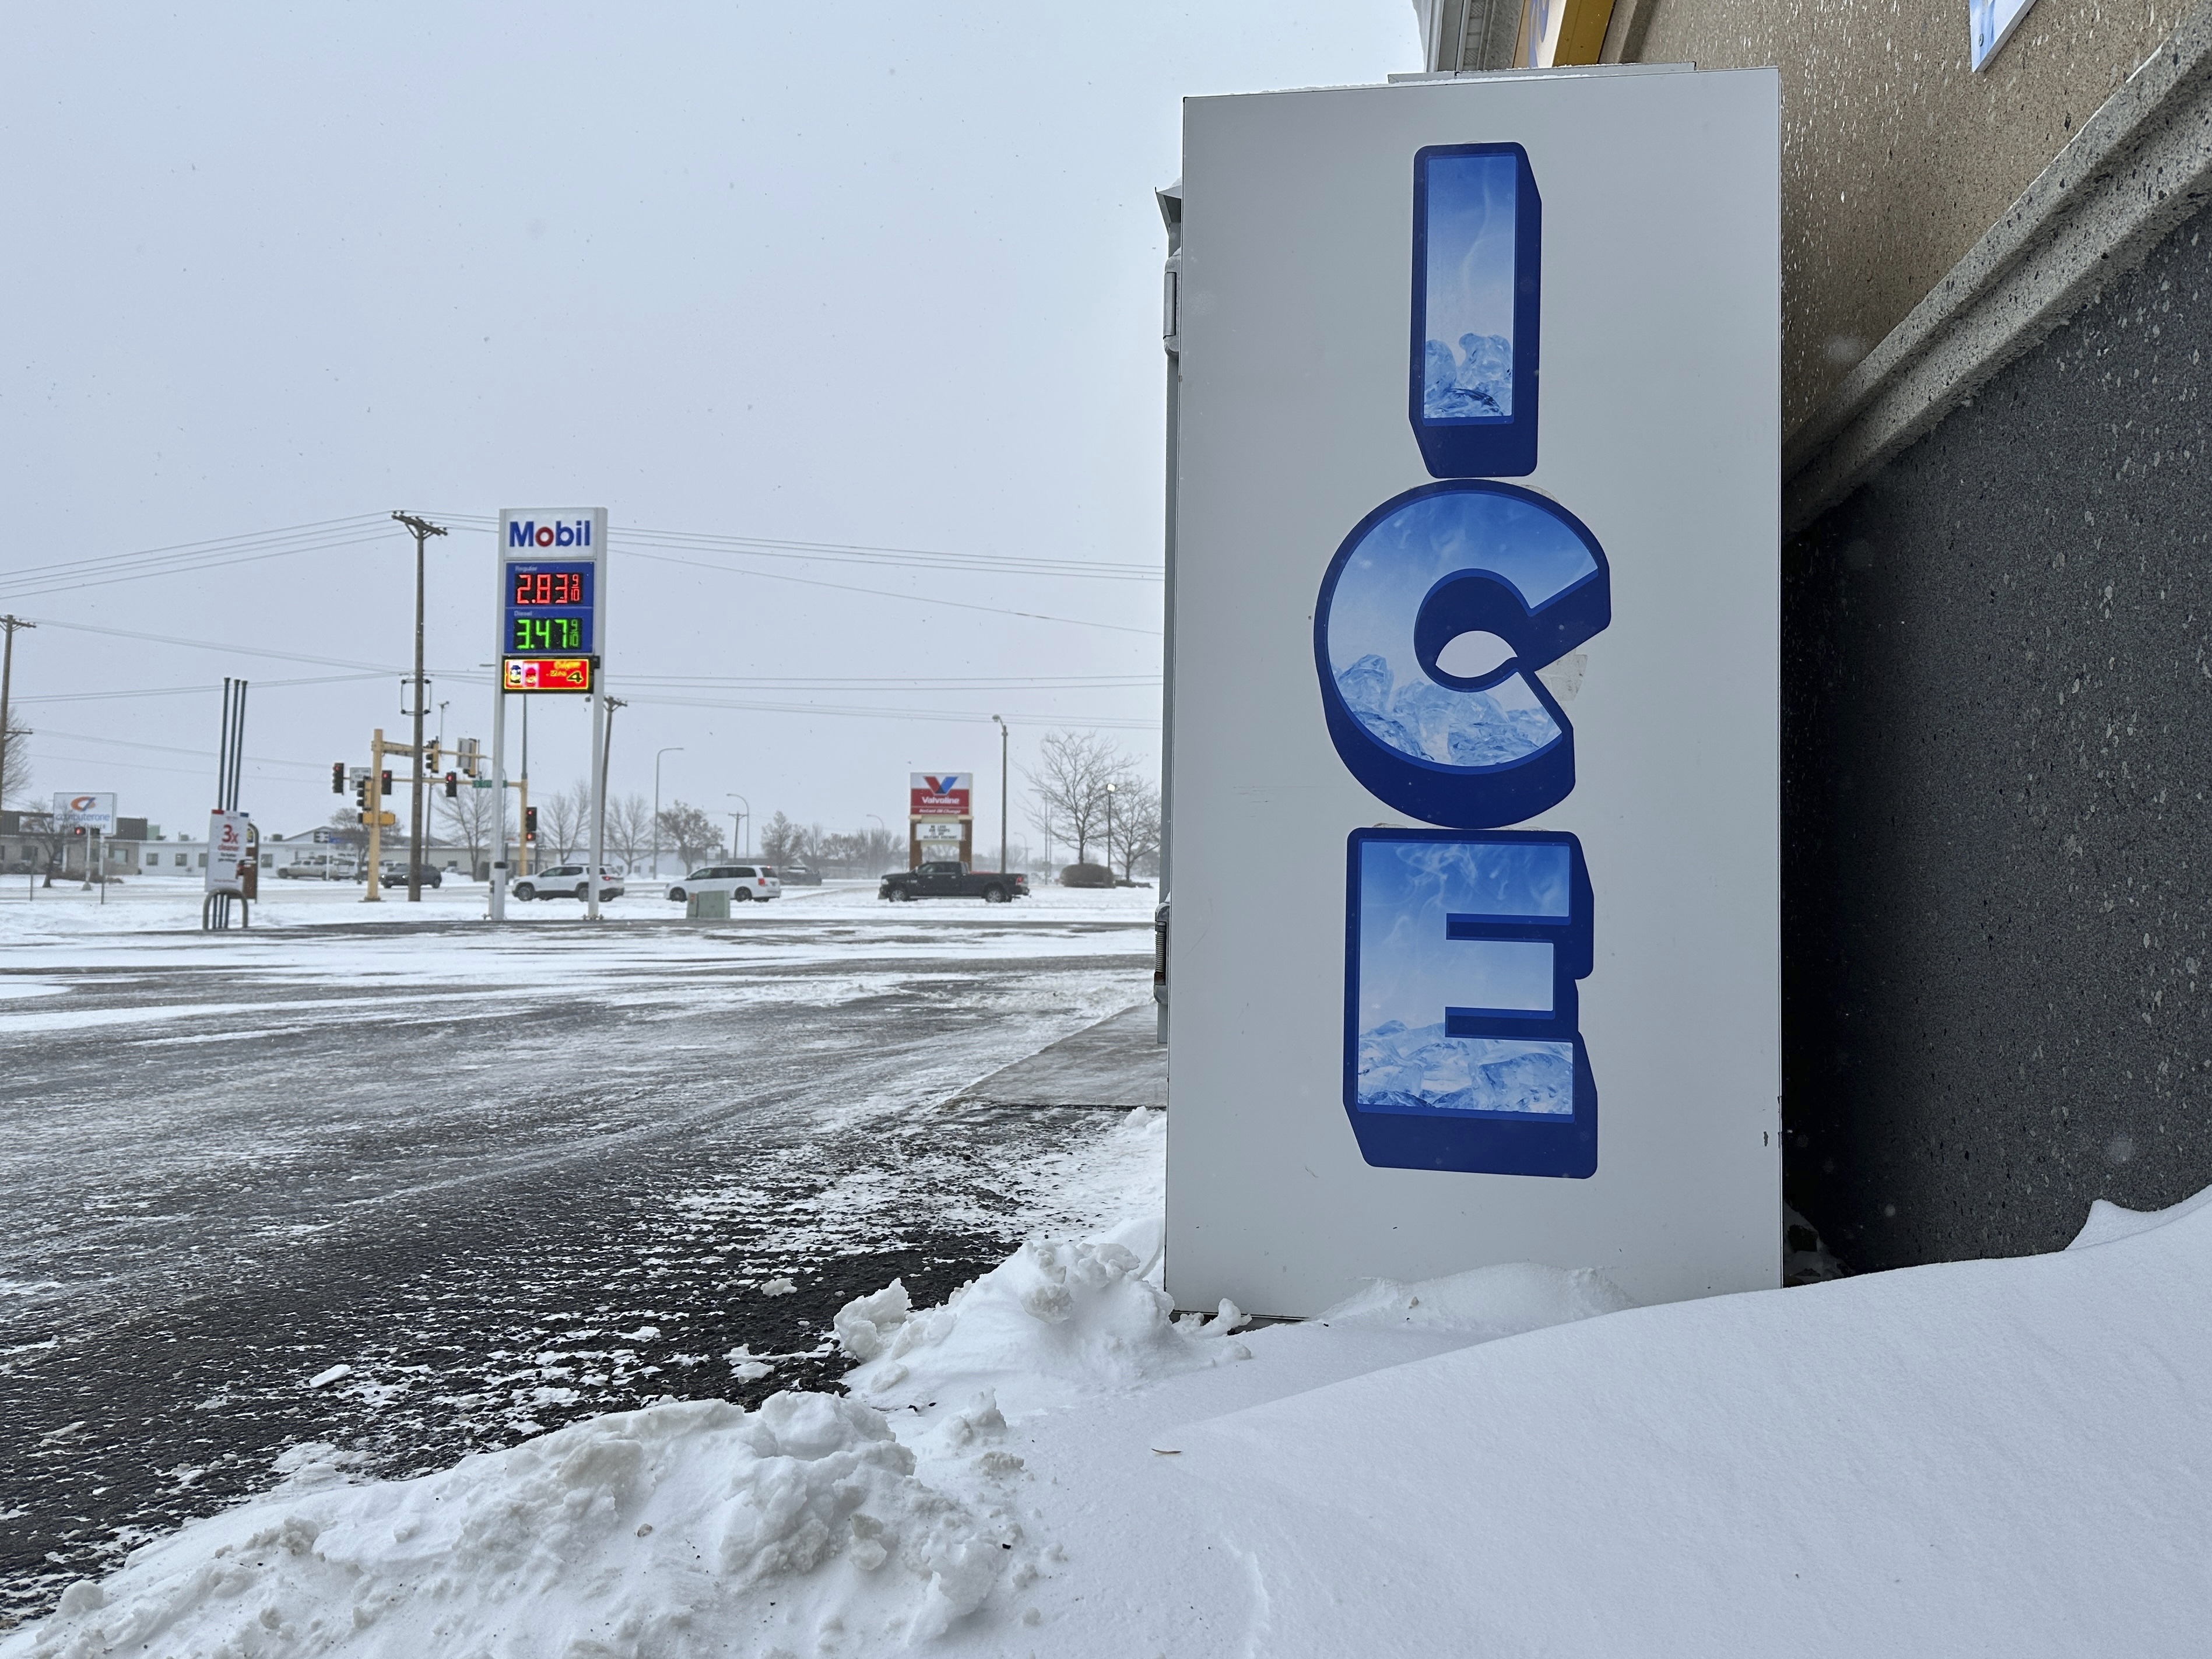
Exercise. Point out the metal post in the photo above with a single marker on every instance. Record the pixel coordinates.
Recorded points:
(1003, 738)
(420, 529)
(498, 798)
(598, 796)
(375, 894)
(672, 749)
(747, 816)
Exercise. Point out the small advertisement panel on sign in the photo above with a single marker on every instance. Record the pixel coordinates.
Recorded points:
(229, 850)
(94, 811)
(547, 673)
(940, 794)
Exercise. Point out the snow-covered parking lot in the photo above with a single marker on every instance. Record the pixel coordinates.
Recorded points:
(671, 1229)
(505, 1178)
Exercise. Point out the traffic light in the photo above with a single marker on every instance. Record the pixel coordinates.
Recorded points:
(530, 823)
(338, 777)
(453, 785)
(432, 763)
(387, 780)
(361, 790)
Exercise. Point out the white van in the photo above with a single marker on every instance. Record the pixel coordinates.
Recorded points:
(742, 882)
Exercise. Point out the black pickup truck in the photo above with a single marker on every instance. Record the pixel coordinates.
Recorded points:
(953, 881)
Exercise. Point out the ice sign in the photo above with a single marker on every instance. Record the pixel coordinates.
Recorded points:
(1478, 225)
(1432, 619)
(1461, 1050)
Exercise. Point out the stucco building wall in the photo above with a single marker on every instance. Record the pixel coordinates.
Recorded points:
(1895, 157)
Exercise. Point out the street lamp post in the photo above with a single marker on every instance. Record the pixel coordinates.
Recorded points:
(1003, 736)
(747, 815)
(886, 832)
(672, 749)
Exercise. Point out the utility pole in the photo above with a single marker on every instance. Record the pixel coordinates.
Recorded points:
(420, 529)
(599, 795)
(672, 749)
(1002, 792)
(7, 673)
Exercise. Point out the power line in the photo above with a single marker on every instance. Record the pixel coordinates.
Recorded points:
(887, 594)
(865, 553)
(959, 716)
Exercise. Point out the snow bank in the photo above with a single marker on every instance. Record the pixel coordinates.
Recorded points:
(2000, 1457)
(686, 1527)
(1486, 1303)
(1060, 1321)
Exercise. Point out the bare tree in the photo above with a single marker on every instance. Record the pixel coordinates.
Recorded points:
(783, 841)
(1136, 825)
(871, 850)
(43, 831)
(467, 819)
(693, 834)
(630, 829)
(14, 761)
(1067, 786)
(563, 823)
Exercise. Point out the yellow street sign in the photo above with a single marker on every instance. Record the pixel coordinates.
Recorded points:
(386, 819)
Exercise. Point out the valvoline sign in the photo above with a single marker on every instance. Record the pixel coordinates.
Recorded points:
(939, 794)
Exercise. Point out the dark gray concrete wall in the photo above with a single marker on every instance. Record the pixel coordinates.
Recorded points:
(1997, 833)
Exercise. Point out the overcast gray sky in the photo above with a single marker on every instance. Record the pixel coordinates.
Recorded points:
(865, 274)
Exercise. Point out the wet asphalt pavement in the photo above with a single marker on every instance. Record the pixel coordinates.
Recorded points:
(506, 1182)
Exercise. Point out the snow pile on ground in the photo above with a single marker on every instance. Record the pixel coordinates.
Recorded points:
(686, 1528)
(2001, 1457)
(1485, 1303)
(1060, 1322)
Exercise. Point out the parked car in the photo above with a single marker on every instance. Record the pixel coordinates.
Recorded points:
(393, 873)
(797, 875)
(953, 881)
(322, 866)
(567, 881)
(744, 883)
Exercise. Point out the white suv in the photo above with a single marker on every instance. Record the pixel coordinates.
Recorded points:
(742, 882)
(567, 881)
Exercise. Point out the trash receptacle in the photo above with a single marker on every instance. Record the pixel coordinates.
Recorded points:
(707, 907)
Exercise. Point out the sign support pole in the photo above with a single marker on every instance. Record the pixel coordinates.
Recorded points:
(598, 787)
(499, 801)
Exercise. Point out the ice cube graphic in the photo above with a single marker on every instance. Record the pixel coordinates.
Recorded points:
(1457, 728)
(1479, 387)
(1421, 1069)
(1462, 1043)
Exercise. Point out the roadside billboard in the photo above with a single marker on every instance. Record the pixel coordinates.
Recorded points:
(85, 812)
(230, 851)
(940, 794)
(1477, 718)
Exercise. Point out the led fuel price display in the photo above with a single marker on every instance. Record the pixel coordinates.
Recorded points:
(549, 609)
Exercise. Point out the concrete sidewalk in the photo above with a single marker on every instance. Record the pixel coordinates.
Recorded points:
(1114, 1065)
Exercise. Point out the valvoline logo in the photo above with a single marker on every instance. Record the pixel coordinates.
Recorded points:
(946, 785)
(528, 532)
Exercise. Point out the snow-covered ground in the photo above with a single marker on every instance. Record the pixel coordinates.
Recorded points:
(31, 915)
(483, 1183)
(1998, 1458)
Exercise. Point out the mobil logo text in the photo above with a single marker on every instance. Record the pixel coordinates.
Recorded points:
(528, 532)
